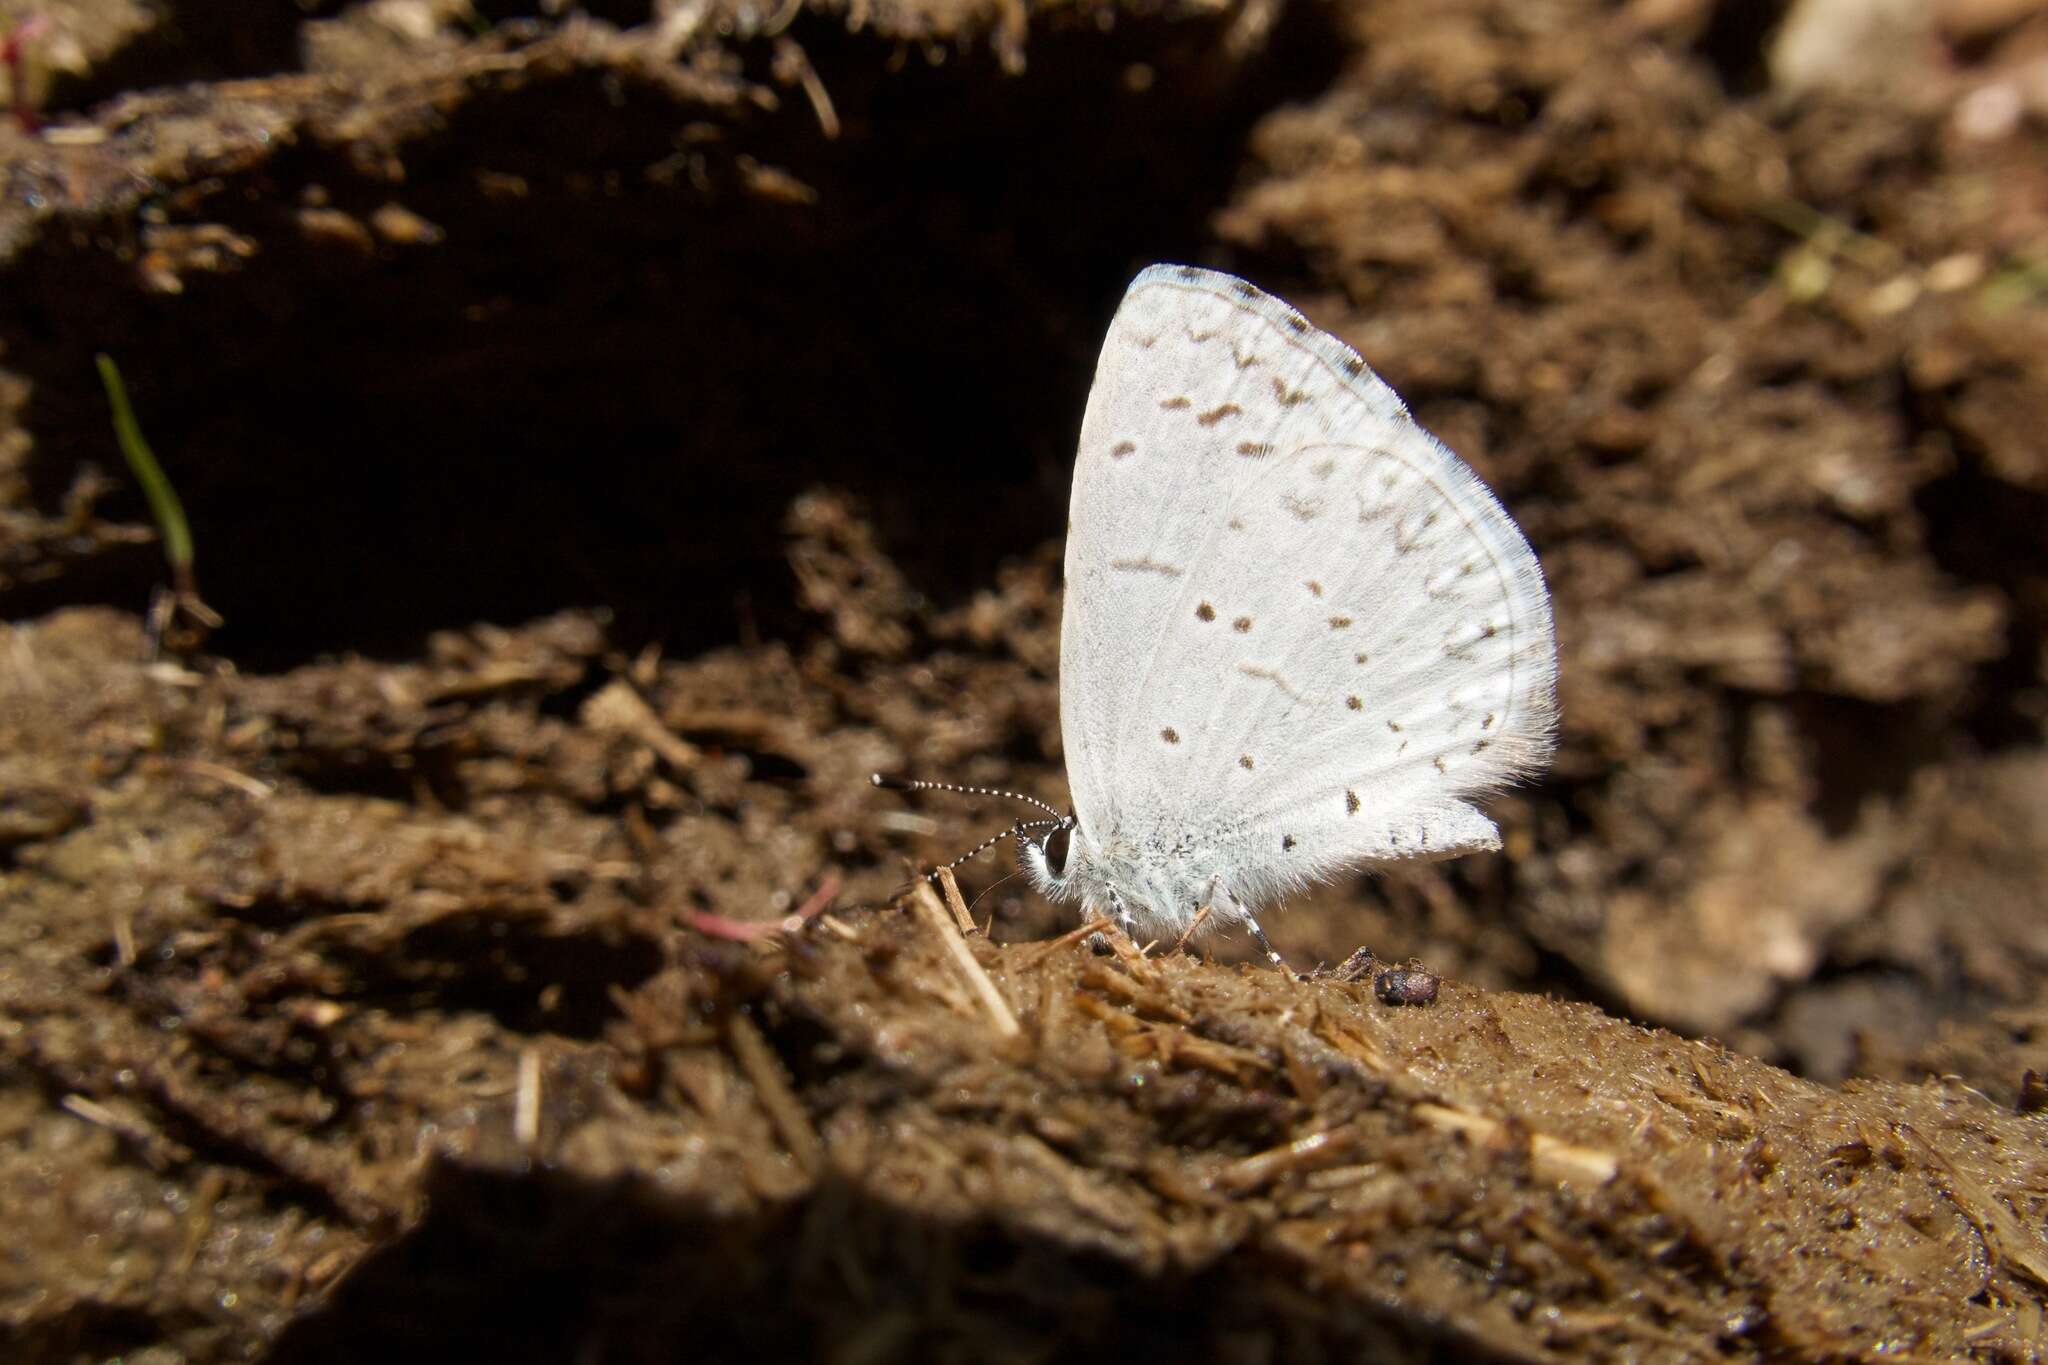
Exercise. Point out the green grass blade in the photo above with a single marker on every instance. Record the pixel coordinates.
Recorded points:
(163, 499)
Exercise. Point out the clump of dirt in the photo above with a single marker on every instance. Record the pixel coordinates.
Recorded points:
(1164, 1157)
(610, 437)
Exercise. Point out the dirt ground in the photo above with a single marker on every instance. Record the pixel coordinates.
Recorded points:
(610, 432)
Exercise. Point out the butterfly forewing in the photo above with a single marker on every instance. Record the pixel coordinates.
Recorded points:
(1292, 616)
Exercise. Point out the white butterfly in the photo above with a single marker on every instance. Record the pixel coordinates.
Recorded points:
(1300, 635)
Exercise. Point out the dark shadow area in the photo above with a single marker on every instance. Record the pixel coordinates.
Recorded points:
(1987, 530)
(183, 41)
(529, 975)
(550, 1268)
(640, 337)
(1864, 750)
(90, 1330)
(1737, 42)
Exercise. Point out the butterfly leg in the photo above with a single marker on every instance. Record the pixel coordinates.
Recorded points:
(1118, 915)
(1223, 901)
(1266, 945)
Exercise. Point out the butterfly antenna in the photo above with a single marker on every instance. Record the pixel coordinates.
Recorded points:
(1017, 830)
(912, 784)
(991, 842)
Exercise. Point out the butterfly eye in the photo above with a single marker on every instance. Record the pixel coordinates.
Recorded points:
(1055, 844)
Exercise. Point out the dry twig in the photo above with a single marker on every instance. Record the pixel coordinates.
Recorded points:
(969, 967)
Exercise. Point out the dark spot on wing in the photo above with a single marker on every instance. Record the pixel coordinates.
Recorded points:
(1188, 272)
(1244, 761)
(1244, 290)
(1217, 414)
(1297, 324)
(1353, 366)
(1254, 449)
(1350, 803)
(1123, 448)
(1361, 658)
(1288, 397)
(1340, 623)
(1438, 761)
(1175, 404)
(1242, 624)
(1205, 612)
(1286, 843)
(1170, 735)
(1395, 726)
(1354, 703)
(1487, 724)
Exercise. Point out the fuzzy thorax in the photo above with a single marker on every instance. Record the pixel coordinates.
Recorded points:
(1148, 891)
(1155, 887)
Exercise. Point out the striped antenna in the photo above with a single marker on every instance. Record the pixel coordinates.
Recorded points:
(1016, 831)
(912, 784)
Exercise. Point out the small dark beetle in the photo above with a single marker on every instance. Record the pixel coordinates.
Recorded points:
(1406, 986)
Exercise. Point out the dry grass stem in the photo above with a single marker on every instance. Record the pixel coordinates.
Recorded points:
(1194, 927)
(763, 1069)
(228, 777)
(619, 709)
(1261, 1168)
(1001, 1017)
(1548, 1156)
(950, 884)
(526, 1105)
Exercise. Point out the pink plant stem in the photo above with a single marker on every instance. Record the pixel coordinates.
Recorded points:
(724, 926)
(13, 53)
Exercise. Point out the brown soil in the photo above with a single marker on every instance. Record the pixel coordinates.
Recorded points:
(606, 445)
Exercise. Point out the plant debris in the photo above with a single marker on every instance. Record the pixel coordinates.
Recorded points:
(490, 931)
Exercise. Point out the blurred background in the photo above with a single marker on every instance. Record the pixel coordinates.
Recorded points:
(609, 431)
